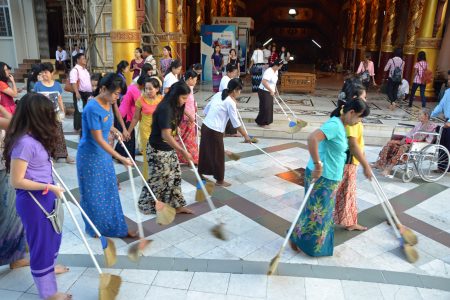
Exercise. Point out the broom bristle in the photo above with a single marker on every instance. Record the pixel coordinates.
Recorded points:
(273, 265)
(199, 195)
(133, 252)
(165, 214)
(110, 253)
(233, 156)
(409, 236)
(218, 232)
(109, 286)
(410, 252)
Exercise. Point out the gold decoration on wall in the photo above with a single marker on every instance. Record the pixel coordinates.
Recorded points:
(361, 23)
(414, 19)
(372, 44)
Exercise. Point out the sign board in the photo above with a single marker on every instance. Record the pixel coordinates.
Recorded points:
(240, 22)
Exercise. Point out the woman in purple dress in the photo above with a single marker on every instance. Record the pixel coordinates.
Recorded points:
(29, 143)
(217, 65)
(164, 63)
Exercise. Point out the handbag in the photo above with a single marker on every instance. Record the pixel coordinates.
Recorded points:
(68, 86)
(56, 217)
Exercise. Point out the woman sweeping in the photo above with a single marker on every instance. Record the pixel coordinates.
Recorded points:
(219, 110)
(95, 169)
(217, 65)
(188, 129)
(266, 92)
(145, 107)
(53, 91)
(30, 142)
(12, 234)
(164, 168)
(346, 212)
(314, 232)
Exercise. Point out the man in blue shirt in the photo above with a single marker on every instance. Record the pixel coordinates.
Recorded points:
(444, 107)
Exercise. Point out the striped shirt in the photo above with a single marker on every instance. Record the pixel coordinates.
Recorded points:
(420, 68)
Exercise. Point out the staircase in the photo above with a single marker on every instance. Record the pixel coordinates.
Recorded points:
(21, 73)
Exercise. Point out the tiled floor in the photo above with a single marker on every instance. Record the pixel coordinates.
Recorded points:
(257, 209)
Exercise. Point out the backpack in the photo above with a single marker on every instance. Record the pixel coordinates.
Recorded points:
(427, 75)
(397, 75)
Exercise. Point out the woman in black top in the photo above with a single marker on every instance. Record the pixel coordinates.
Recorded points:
(163, 165)
(234, 59)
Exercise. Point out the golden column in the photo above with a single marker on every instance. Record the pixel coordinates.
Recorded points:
(213, 8)
(351, 33)
(200, 17)
(360, 48)
(409, 48)
(386, 42)
(170, 25)
(372, 43)
(125, 36)
(427, 41)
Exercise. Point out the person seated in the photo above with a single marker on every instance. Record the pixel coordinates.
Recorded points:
(403, 90)
(394, 149)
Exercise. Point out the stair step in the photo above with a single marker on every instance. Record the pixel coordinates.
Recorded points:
(31, 61)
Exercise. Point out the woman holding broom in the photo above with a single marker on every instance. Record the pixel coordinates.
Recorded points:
(163, 166)
(314, 232)
(219, 110)
(31, 140)
(95, 168)
(188, 128)
(346, 212)
(145, 107)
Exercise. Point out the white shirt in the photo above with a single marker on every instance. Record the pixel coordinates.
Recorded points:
(272, 78)
(75, 52)
(219, 111)
(224, 83)
(267, 54)
(258, 57)
(151, 60)
(61, 56)
(169, 80)
(403, 88)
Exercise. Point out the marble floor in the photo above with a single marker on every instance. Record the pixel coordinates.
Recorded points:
(185, 261)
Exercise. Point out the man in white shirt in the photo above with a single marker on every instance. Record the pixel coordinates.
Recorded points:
(75, 51)
(232, 71)
(149, 59)
(267, 54)
(61, 58)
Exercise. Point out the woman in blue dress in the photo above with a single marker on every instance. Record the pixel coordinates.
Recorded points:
(96, 175)
(314, 232)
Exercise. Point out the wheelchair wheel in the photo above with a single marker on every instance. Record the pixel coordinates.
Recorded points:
(408, 174)
(429, 158)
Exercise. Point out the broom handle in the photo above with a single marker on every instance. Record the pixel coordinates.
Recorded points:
(82, 235)
(264, 152)
(277, 94)
(383, 205)
(278, 102)
(133, 192)
(137, 169)
(387, 202)
(200, 181)
(305, 199)
(76, 203)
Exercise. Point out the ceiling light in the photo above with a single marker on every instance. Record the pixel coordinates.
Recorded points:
(292, 12)
(317, 44)
(267, 42)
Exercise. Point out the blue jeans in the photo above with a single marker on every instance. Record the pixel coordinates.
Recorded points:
(422, 94)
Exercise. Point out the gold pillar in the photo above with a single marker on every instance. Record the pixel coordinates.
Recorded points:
(426, 41)
(361, 24)
(223, 8)
(170, 25)
(352, 22)
(372, 44)
(199, 18)
(213, 8)
(388, 26)
(231, 8)
(125, 36)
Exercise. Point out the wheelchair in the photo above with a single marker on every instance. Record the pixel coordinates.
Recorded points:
(423, 158)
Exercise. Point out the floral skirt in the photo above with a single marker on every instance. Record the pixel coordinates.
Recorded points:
(61, 147)
(346, 212)
(257, 73)
(188, 133)
(314, 231)
(164, 179)
(391, 153)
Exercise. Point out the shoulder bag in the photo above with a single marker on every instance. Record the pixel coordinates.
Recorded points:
(56, 217)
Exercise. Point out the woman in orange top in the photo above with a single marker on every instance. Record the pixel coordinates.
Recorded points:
(145, 106)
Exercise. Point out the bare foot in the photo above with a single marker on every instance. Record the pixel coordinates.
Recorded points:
(264, 126)
(19, 263)
(60, 269)
(184, 210)
(132, 234)
(60, 296)
(356, 227)
(223, 183)
(386, 172)
(70, 160)
(294, 246)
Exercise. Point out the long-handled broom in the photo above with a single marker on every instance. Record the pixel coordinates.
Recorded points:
(294, 126)
(264, 152)
(136, 249)
(408, 235)
(165, 214)
(217, 230)
(300, 122)
(276, 260)
(109, 248)
(411, 254)
(109, 284)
